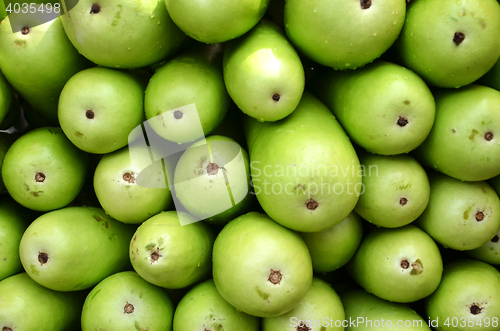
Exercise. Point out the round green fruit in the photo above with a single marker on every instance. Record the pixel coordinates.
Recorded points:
(489, 252)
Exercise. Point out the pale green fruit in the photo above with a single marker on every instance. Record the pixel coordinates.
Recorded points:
(332, 248)
(467, 298)
(385, 108)
(400, 265)
(97, 99)
(168, 254)
(263, 73)
(38, 61)
(396, 190)
(320, 307)
(123, 34)
(48, 310)
(372, 314)
(260, 267)
(305, 171)
(74, 248)
(203, 308)
(489, 252)
(126, 302)
(451, 44)
(344, 34)
(460, 215)
(463, 142)
(216, 21)
(186, 98)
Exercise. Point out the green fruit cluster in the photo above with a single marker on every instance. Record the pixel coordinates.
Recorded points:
(250, 165)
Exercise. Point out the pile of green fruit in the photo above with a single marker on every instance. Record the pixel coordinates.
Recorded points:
(203, 165)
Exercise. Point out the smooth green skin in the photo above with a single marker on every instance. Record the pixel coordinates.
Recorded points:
(456, 145)
(376, 266)
(360, 304)
(48, 310)
(244, 255)
(389, 179)
(83, 244)
(426, 42)
(321, 303)
(6, 141)
(45, 150)
(340, 34)
(104, 308)
(492, 77)
(6, 95)
(465, 283)
(259, 65)
(369, 101)
(489, 252)
(216, 197)
(216, 21)
(332, 248)
(184, 251)
(203, 308)
(126, 200)
(137, 33)
(38, 64)
(115, 97)
(450, 216)
(304, 156)
(191, 77)
(13, 223)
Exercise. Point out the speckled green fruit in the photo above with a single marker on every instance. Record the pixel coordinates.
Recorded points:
(400, 265)
(470, 292)
(168, 254)
(451, 44)
(126, 302)
(97, 99)
(263, 73)
(137, 34)
(385, 108)
(39, 63)
(332, 248)
(74, 248)
(372, 313)
(305, 171)
(321, 303)
(216, 21)
(13, 223)
(464, 141)
(48, 310)
(460, 215)
(396, 192)
(212, 179)
(260, 267)
(193, 77)
(346, 34)
(43, 170)
(489, 252)
(119, 193)
(203, 308)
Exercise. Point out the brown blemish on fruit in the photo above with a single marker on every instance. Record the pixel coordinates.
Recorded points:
(178, 114)
(6, 328)
(40, 177)
(495, 239)
(453, 130)
(212, 169)
(312, 204)
(458, 38)
(95, 9)
(405, 264)
(155, 255)
(406, 102)
(365, 4)
(129, 177)
(276, 97)
(98, 218)
(479, 216)
(417, 267)
(43, 258)
(89, 114)
(303, 327)
(107, 225)
(128, 309)
(275, 277)
(475, 309)
(403, 201)
(78, 134)
(25, 30)
(488, 136)
(402, 121)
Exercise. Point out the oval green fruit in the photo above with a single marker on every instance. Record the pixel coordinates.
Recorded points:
(74, 248)
(203, 308)
(320, 307)
(43, 170)
(263, 73)
(168, 254)
(126, 302)
(260, 267)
